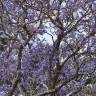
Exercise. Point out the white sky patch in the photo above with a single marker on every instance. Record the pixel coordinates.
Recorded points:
(50, 35)
(48, 38)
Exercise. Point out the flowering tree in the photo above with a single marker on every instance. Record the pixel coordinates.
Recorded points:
(31, 63)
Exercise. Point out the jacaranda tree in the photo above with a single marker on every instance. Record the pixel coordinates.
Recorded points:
(48, 47)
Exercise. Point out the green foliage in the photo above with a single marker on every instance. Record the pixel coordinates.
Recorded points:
(91, 81)
(3, 42)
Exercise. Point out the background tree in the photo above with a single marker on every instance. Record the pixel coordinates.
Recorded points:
(31, 63)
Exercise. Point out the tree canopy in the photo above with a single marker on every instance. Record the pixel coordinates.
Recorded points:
(48, 47)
